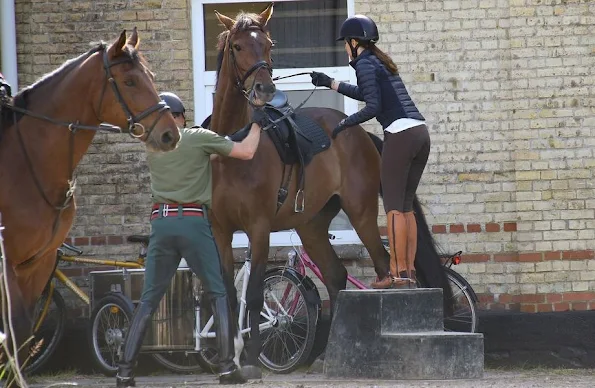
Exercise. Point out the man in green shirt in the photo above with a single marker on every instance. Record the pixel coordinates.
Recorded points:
(181, 186)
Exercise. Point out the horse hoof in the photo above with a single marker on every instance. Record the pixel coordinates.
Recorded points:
(251, 372)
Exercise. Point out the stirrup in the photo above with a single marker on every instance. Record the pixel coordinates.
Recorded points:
(299, 208)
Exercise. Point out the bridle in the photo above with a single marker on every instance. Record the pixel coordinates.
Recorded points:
(241, 80)
(133, 125)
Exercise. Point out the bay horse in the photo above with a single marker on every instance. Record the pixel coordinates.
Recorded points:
(45, 131)
(245, 193)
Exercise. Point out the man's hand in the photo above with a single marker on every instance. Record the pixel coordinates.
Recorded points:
(260, 117)
(321, 79)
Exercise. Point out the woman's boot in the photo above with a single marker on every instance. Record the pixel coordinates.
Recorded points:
(397, 238)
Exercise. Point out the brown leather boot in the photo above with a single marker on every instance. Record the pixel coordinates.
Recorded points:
(411, 247)
(397, 238)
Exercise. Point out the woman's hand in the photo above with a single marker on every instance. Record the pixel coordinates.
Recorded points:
(321, 79)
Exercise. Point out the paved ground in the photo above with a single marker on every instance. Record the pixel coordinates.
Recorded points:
(492, 379)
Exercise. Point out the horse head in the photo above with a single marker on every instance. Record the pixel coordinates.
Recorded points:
(134, 104)
(246, 45)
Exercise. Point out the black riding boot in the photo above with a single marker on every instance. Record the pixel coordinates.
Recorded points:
(132, 344)
(229, 373)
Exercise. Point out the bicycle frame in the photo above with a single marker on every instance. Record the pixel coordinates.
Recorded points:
(242, 276)
(69, 284)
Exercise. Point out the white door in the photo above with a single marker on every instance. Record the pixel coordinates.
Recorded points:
(305, 33)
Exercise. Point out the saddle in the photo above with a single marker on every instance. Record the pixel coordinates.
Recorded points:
(297, 139)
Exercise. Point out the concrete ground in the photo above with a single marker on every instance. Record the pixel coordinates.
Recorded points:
(530, 378)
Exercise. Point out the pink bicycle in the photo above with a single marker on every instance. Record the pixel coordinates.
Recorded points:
(464, 300)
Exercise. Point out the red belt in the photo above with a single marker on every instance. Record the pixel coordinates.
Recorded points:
(188, 209)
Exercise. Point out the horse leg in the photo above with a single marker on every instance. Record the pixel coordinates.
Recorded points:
(26, 284)
(314, 236)
(259, 245)
(20, 314)
(360, 203)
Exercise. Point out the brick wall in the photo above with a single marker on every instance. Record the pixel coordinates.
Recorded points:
(506, 87)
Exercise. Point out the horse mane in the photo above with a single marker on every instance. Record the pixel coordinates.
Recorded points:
(21, 99)
(244, 21)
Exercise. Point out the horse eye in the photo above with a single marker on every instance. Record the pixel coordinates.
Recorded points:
(129, 82)
(237, 47)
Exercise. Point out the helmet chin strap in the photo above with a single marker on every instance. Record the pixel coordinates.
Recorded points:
(353, 49)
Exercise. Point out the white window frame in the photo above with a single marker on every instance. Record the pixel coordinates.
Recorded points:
(204, 87)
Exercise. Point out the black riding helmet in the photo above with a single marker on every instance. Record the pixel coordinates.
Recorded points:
(359, 27)
(174, 102)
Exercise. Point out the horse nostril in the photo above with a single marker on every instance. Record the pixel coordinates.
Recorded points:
(259, 87)
(167, 137)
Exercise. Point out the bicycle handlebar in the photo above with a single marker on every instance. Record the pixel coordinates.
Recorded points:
(72, 248)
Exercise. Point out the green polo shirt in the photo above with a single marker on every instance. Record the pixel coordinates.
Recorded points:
(184, 175)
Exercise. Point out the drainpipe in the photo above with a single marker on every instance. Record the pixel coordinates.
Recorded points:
(8, 40)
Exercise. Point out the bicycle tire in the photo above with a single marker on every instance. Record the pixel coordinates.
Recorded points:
(311, 319)
(207, 357)
(464, 289)
(59, 317)
(175, 366)
(117, 303)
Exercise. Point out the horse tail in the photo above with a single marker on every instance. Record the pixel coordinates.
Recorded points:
(428, 263)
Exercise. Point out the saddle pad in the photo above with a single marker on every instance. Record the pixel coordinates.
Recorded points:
(308, 138)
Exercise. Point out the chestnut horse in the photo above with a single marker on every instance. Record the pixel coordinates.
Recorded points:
(45, 131)
(345, 176)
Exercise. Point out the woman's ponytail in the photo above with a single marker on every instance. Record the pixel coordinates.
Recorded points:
(384, 58)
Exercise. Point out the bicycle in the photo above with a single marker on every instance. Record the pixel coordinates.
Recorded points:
(50, 311)
(288, 322)
(464, 300)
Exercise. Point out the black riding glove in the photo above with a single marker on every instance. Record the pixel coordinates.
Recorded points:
(321, 79)
(260, 117)
(341, 126)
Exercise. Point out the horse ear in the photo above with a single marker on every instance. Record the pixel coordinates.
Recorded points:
(266, 14)
(134, 39)
(227, 22)
(118, 46)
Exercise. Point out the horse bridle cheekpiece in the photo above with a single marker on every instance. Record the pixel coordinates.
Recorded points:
(240, 81)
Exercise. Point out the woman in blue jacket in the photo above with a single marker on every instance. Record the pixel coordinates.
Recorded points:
(406, 139)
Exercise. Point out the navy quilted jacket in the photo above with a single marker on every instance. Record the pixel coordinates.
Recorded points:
(384, 93)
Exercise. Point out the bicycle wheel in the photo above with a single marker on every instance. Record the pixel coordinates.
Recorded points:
(49, 327)
(287, 344)
(464, 317)
(179, 362)
(110, 321)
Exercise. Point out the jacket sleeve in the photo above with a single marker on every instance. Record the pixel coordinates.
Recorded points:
(351, 91)
(370, 91)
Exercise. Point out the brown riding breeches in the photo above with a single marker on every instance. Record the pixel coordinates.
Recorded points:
(404, 157)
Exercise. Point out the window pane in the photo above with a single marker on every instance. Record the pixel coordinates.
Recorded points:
(304, 31)
(323, 98)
